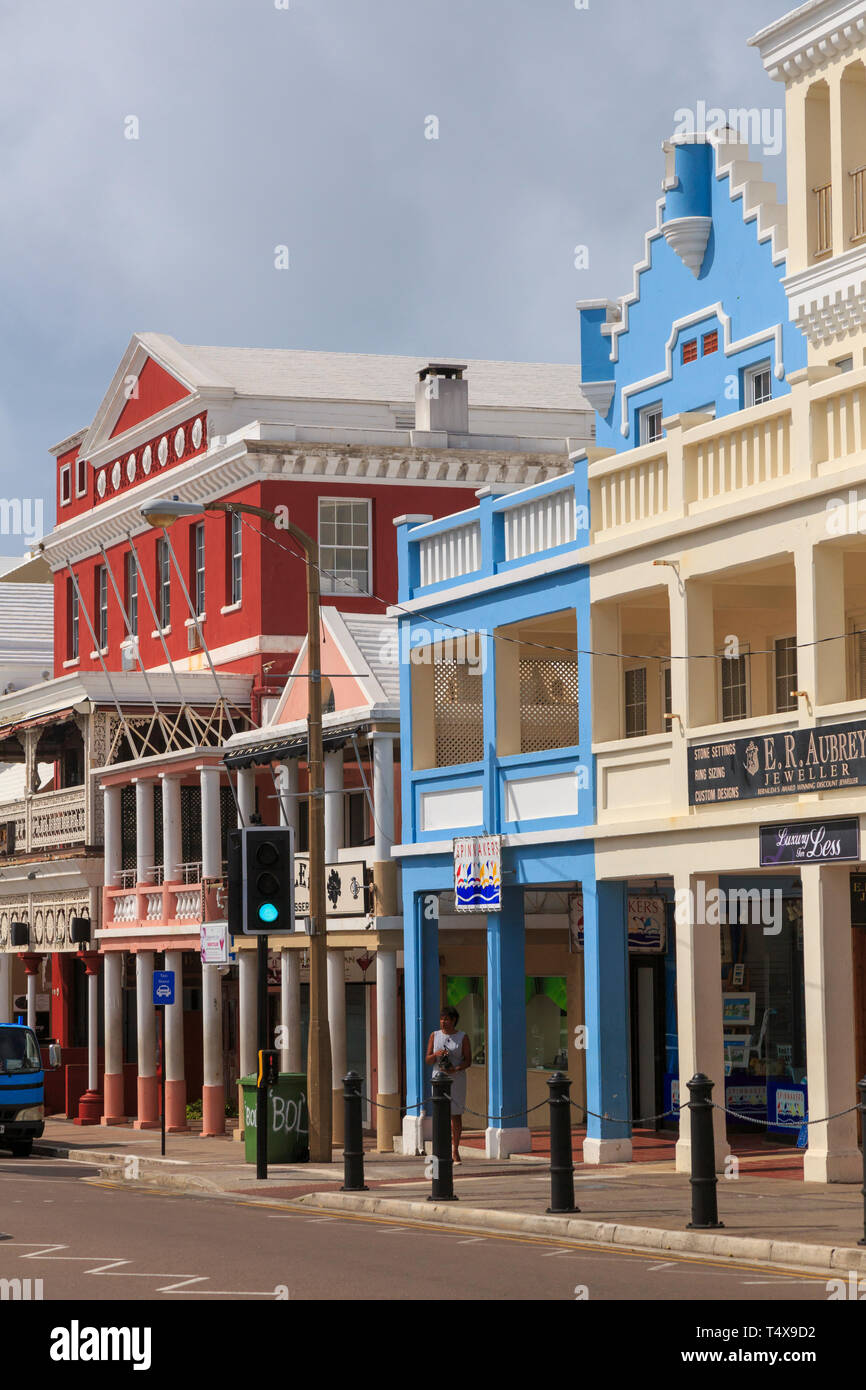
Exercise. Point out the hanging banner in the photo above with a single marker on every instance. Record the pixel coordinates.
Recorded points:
(214, 943)
(478, 873)
(344, 888)
(646, 923)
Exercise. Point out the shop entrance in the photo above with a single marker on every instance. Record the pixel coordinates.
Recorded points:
(647, 996)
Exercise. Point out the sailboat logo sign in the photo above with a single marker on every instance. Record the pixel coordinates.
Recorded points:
(478, 873)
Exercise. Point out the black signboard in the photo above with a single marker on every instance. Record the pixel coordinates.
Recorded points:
(858, 900)
(810, 842)
(782, 764)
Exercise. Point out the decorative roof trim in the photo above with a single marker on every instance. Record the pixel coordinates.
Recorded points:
(810, 37)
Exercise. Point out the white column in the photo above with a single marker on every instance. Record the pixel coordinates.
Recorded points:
(174, 1059)
(334, 815)
(92, 1032)
(832, 1155)
(143, 830)
(31, 1001)
(247, 1010)
(290, 1010)
(113, 967)
(113, 843)
(211, 835)
(212, 1027)
(337, 1022)
(383, 794)
(286, 775)
(145, 1015)
(699, 1003)
(246, 785)
(172, 852)
(5, 988)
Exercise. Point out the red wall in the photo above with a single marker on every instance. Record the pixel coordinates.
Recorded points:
(153, 391)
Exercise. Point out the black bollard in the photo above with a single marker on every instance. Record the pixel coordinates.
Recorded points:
(705, 1212)
(861, 1086)
(561, 1158)
(353, 1139)
(442, 1166)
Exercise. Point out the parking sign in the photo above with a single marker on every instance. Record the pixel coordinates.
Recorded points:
(163, 987)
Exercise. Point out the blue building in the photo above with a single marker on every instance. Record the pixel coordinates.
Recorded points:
(509, 684)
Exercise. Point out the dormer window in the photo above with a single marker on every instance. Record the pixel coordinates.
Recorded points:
(690, 350)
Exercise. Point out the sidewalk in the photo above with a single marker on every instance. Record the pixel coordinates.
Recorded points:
(767, 1217)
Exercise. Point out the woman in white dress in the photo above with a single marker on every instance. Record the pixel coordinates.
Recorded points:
(448, 1052)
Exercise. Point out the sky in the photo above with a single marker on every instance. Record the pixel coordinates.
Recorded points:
(429, 168)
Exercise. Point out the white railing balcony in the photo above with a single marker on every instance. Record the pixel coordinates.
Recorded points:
(48, 820)
(540, 524)
(449, 554)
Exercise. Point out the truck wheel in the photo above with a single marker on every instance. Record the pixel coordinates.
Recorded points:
(22, 1148)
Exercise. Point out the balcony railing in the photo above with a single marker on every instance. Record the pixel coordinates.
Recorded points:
(449, 554)
(48, 820)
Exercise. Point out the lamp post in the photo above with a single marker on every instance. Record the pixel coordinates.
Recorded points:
(163, 512)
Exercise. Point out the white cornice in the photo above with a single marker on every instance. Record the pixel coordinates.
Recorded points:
(829, 300)
(809, 37)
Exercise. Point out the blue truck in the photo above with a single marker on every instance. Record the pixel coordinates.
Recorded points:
(22, 1087)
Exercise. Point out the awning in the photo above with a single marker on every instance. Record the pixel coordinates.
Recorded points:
(291, 746)
(32, 570)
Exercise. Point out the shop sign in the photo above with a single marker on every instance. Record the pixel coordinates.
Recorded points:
(344, 888)
(858, 900)
(478, 873)
(214, 943)
(810, 842)
(646, 922)
(800, 760)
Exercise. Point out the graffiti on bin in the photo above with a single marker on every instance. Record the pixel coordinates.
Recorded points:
(286, 1115)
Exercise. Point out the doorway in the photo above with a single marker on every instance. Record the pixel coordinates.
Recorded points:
(647, 995)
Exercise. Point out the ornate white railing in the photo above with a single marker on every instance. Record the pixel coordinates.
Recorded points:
(540, 524)
(125, 908)
(48, 820)
(189, 906)
(153, 907)
(448, 554)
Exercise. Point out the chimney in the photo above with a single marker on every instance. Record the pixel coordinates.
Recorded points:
(442, 399)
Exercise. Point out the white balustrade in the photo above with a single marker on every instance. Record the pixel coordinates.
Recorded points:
(448, 554)
(541, 524)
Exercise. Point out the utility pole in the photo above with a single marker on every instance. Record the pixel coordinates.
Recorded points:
(319, 1038)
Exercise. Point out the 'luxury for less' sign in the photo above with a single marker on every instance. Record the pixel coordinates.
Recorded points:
(810, 842)
(801, 760)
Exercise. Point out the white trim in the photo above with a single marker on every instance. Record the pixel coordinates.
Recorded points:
(729, 347)
(232, 607)
(161, 632)
(73, 661)
(81, 492)
(750, 375)
(195, 622)
(66, 471)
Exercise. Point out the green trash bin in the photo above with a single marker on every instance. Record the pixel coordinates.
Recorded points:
(288, 1120)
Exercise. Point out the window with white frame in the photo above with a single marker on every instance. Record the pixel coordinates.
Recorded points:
(785, 649)
(757, 385)
(236, 560)
(735, 685)
(344, 546)
(132, 592)
(163, 582)
(72, 643)
(650, 423)
(635, 702)
(80, 477)
(102, 605)
(65, 484)
(198, 562)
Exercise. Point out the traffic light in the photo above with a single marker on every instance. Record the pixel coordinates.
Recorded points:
(261, 874)
(269, 1069)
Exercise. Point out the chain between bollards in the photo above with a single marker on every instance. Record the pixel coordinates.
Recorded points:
(353, 1140)
(705, 1211)
(561, 1157)
(442, 1167)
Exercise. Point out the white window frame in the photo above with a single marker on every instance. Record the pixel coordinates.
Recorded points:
(236, 559)
(750, 377)
(74, 624)
(745, 655)
(789, 709)
(644, 415)
(163, 575)
(335, 587)
(199, 569)
(66, 484)
(131, 578)
(80, 477)
(102, 606)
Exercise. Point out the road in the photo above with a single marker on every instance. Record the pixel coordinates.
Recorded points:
(89, 1239)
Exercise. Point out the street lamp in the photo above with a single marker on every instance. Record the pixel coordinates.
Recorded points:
(164, 512)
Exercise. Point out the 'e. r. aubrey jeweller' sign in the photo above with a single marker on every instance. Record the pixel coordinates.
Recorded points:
(810, 842)
(801, 760)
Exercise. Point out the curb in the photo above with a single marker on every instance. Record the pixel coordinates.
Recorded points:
(754, 1249)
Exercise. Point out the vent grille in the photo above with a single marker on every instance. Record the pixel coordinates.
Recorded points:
(457, 710)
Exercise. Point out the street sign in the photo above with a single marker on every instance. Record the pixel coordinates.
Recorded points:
(163, 987)
(214, 943)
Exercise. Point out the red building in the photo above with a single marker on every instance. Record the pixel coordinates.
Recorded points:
(339, 444)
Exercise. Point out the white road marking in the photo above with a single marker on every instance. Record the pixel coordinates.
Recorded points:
(476, 1240)
(671, 1264)
(791, 1279)
(107, 1264)
(550, 1253)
